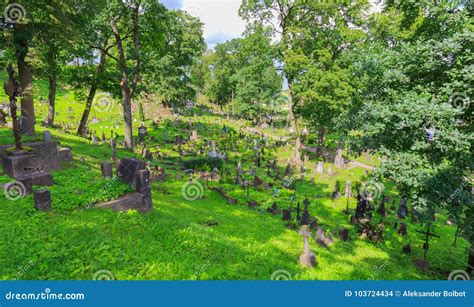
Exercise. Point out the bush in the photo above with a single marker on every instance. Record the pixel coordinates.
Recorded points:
(203, 163)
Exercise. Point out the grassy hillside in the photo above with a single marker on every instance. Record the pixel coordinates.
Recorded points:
(202, 239)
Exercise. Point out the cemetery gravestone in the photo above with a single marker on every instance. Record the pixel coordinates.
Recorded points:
(339, 160)
(305, 218)
(343, 234)
(320, 168)
(42, 200)
(308, 258)
(403, 229)
(113, 145)
(47, 137)
(127, 168)
(106, 169)
(403, 209)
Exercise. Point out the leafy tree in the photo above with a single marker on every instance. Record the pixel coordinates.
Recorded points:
(257, 79)
(411, 113)
(168, 69)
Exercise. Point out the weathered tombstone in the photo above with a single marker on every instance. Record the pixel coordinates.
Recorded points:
(3, 118)
(113, 145)
(106, 169)
(305, 218)
(403, 229)
(382, 210)
(95, 141)
(148, 155)
(47, 137)
(275, 164)
(321, 237)
(339, 160)
(257, 160)
(194, 136)
(361, 208)
(65, 155)
(142, 132)
(42, 200)
(330, 171)
(402, 210)
(273, 209)
(343, 234)
(313, 223)
(127, 169)
(257, 181)
(142, 179)
(407, 249)
(320, 168)
(308, 258)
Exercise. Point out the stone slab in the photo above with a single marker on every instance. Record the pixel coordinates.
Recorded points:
(133, 201)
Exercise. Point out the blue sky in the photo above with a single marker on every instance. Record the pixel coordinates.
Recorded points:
(220, 17)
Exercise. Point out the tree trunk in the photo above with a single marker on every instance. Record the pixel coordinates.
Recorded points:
(321, 133)
(51, 98)
(294, 125)
(13, 91)
(90, 98)
(126, 88)
(233, 105)
(26, 83)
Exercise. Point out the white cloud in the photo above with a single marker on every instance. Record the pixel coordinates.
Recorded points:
(220, 17)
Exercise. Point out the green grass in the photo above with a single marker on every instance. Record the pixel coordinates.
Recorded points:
(175, 240)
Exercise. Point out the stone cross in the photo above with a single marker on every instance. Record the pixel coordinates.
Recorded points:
(308, 258)
(306, 234)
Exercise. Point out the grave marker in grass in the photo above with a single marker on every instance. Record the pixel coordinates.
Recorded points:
(428, 234)
(308, 258)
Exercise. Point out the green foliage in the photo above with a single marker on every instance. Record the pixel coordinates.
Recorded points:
(200, 163)
(410, 88)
